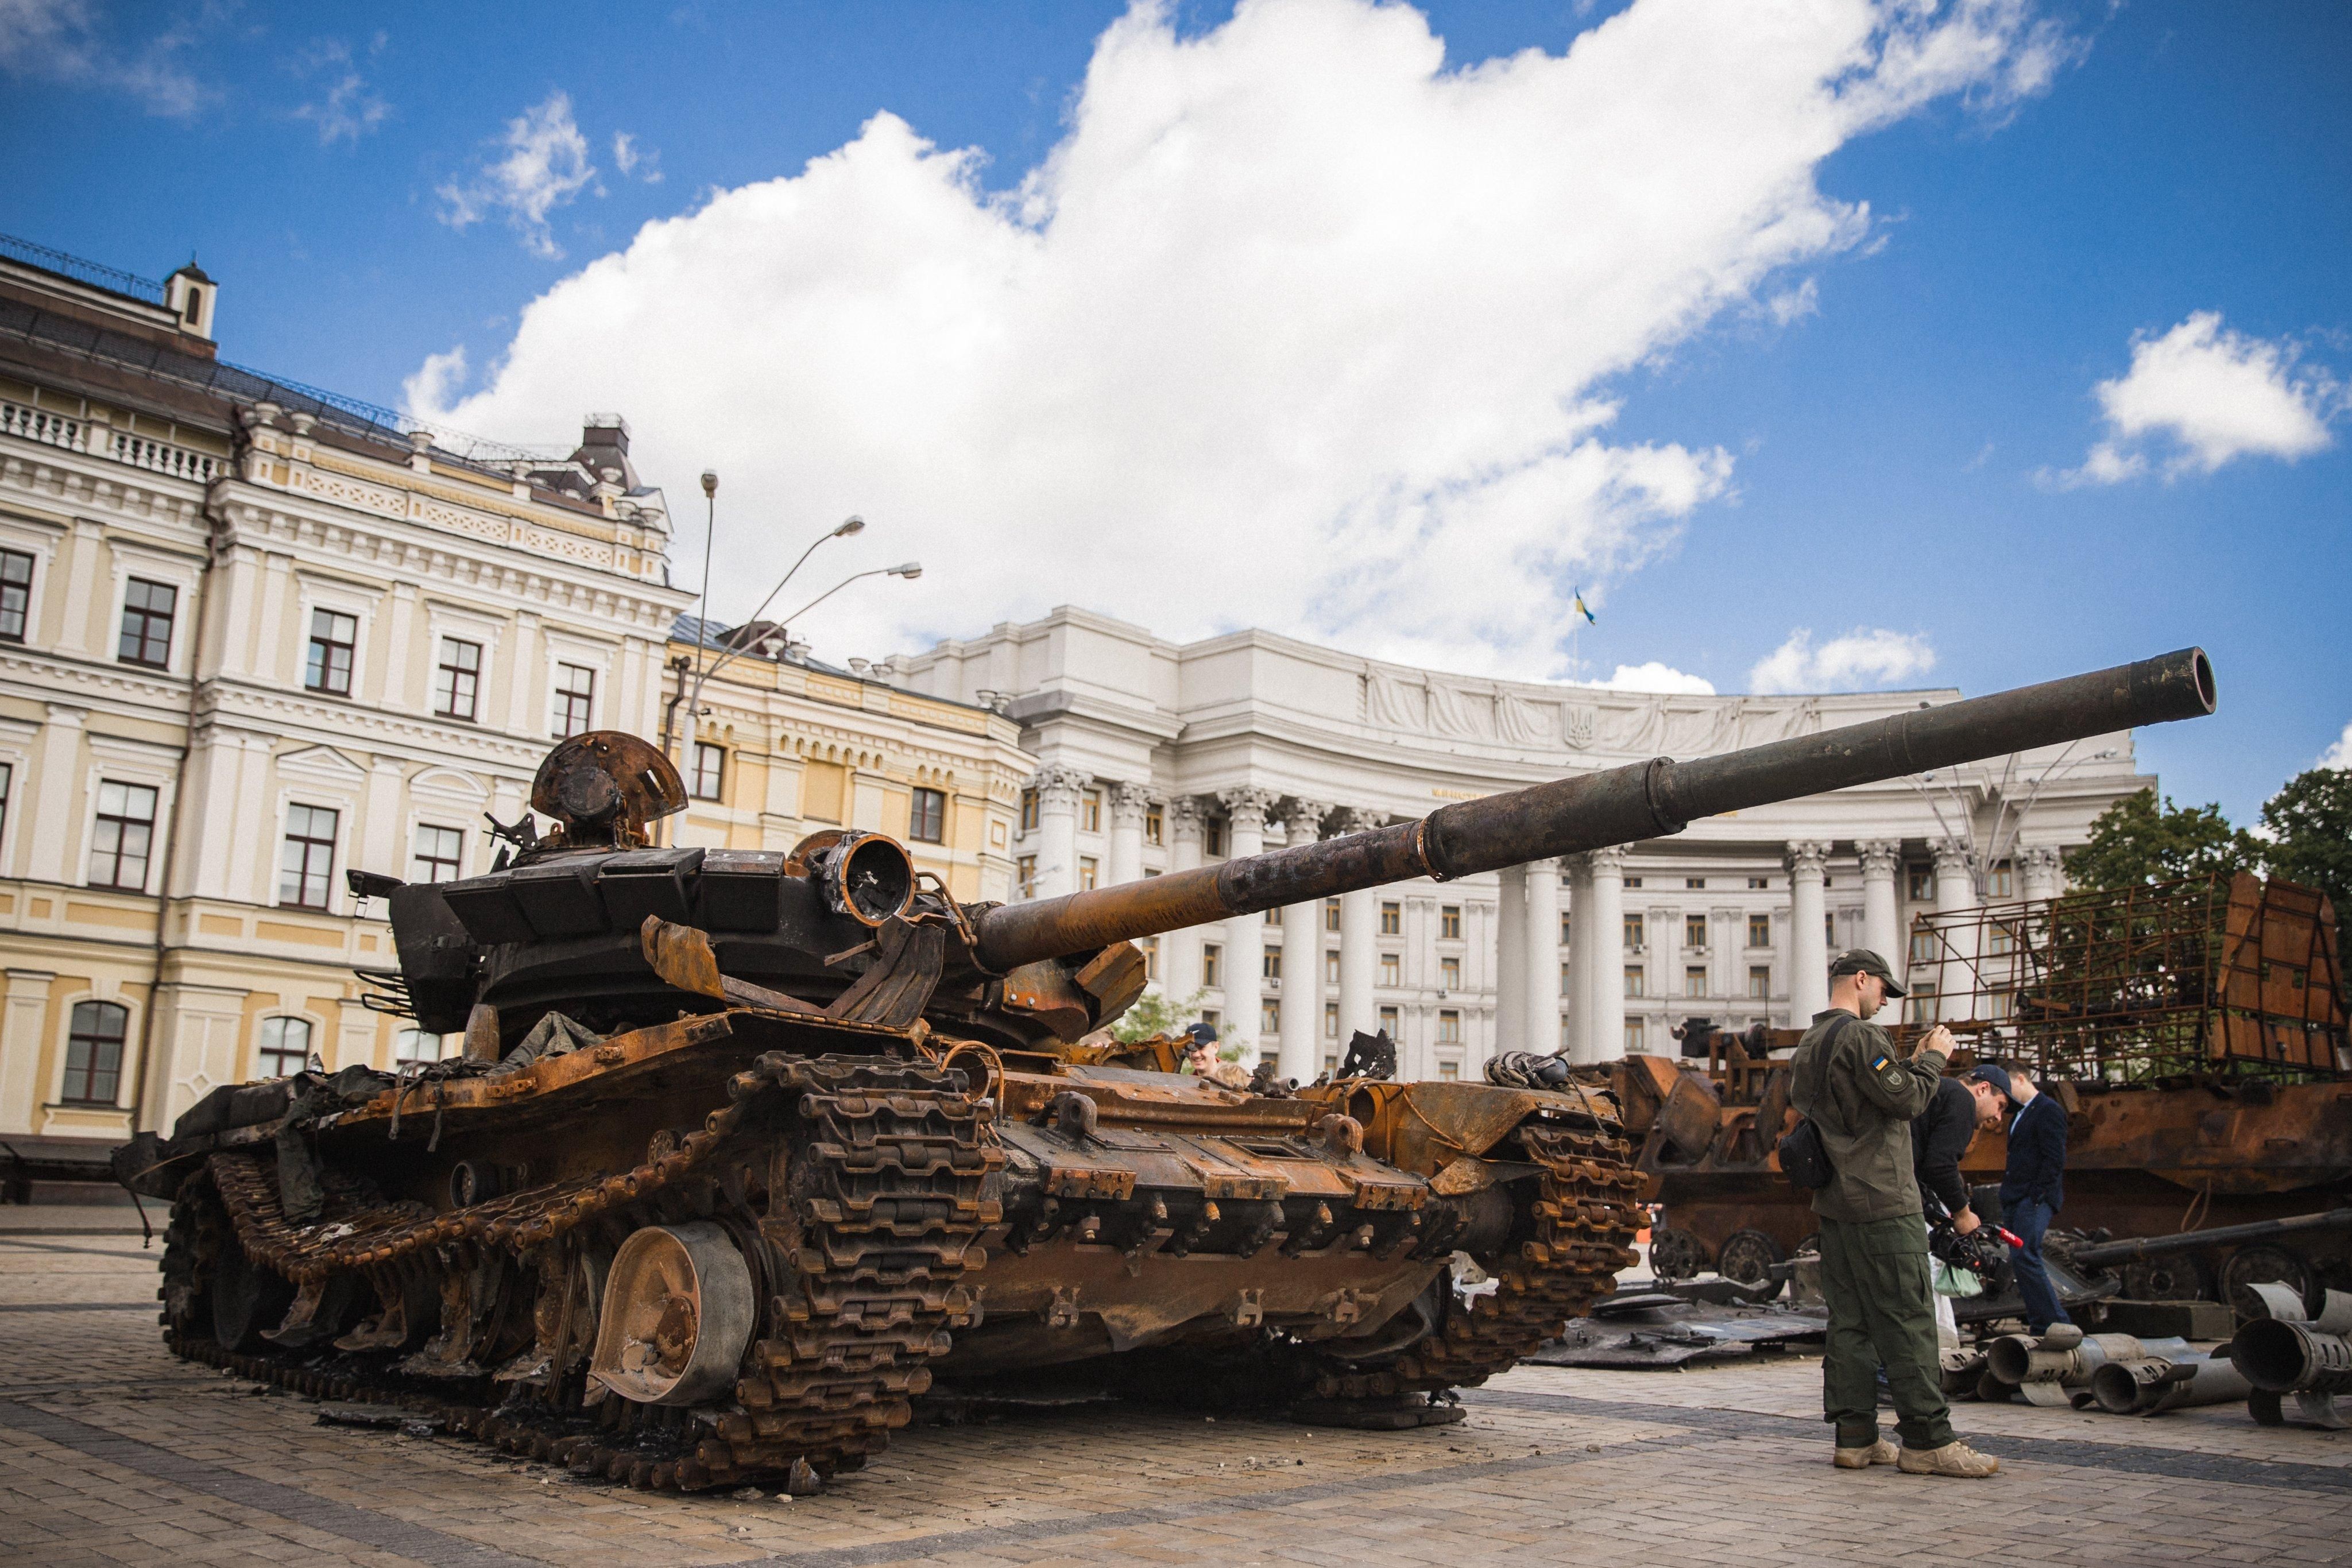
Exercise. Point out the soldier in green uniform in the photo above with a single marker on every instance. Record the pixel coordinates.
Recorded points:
(1861, 1096)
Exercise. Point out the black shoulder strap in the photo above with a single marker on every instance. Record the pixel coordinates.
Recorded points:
(1821, 1061)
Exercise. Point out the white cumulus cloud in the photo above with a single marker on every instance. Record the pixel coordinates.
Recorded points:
(2340, 754)
(2199, 396)
(543, 164)
(1655, 676)
(1866, 656)
(64, 41)
(1296, 327)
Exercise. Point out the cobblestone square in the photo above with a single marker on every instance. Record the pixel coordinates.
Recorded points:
(114, 1452)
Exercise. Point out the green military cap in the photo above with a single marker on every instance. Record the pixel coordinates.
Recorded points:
(1863, 961)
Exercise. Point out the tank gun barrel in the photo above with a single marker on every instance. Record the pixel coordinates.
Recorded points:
(1619, 806)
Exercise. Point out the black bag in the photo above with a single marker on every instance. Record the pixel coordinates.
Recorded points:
(1804, 1158)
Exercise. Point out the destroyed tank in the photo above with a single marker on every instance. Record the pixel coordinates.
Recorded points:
(747, 1148)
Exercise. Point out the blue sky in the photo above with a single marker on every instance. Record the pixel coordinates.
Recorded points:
(1883, 434)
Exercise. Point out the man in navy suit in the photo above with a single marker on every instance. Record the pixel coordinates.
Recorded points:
(2033, 1187)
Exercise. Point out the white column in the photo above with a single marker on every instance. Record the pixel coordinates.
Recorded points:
(1244, 939)
(1882, 928)
(1580, 957)
(355, 1037)
(1542, 1021)
(2041, 870)
(1179, 951)
(1956, 891)
(1302, 958)
(526, 702)
(20, 1047)
(392, 679)
(376, 846)
(1058, 790)
(1607, 970)
(275, 662)
(1809, 943)
(1511, 959)
(58, 797)
(1128, 803)
(78, 628)
(1360, 917)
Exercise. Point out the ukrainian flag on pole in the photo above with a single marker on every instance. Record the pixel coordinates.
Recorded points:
(1582, 611)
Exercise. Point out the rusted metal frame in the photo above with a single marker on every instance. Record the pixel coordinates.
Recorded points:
(1619, 806)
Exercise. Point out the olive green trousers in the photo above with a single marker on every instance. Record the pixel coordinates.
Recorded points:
(1881, 1313)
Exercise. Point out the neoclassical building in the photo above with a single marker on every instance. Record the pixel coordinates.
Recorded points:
(1157, 757)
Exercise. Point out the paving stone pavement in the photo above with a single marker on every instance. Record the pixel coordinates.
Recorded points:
(112, 1452)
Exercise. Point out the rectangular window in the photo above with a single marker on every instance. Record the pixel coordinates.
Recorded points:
(1923, 946)
(1028, 810)
(1213, 1018)
(1449, 922)
(8, 780)
(1760, 982)
(1449, 974)
(94, 1053)
(1633, 934)
(457, 680)
(1449, 1027)
(1330, 914)
(1391, 969)
(1695, 980)
(1391, 919)
(1633, 881)
(1089, 873)
(1923, 1004)
(1564, 980)
(1695, 931)
(2003, 940)
(122, 836)
(440, 854)
(1760, 931)
(1155, 825)
(927, 816)
(1273, 917)
(1212, 960)
(1269, 1018)
(1632, 1037)
(416, 1045)
(1270, 964)
(1331, 969)
(147, 612)
(1090, 812)
(1449, 1072)
(1151, 959)
(309, 859)
(1213, 835)
(709, 775)
(2001, 882)
(285, 1047)
(1567, 928)
(1331, 1024)
(1695, 882)
(1759, 883)
(1633, 981)
(1919, 883)
(333, 635)
(576, 699)
(1829, 932)
(1389, 1022)
(1025, 872)
(15, 593)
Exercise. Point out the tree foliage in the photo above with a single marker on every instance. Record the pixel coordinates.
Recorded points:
(1155, 1012)
(2310, 823)
(2139, 839)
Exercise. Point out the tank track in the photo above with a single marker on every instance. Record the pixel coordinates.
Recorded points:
(872, 1171)
(1586, 1214)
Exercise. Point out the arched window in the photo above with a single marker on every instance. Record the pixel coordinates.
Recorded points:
(285, 1047)
(94, 1053)
(416, 1045)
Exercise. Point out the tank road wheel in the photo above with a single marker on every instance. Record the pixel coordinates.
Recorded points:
(1748, 1256)
(2175, 1277)
(246, 1298)
(1677, 1254)
(678, 1313)
(2263, 1265)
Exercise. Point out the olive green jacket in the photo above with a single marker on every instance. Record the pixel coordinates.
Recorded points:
(1863, 1096)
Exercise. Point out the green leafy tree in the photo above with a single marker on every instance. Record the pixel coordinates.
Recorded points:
(1155, 1012)
(2310, 823)
(2139, 839)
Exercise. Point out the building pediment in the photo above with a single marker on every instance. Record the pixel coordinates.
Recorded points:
(324, 764)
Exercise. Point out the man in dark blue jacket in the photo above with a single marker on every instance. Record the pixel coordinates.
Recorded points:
(2033, 1187)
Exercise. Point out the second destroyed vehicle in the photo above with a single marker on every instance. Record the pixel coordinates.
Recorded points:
(747, 1149)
